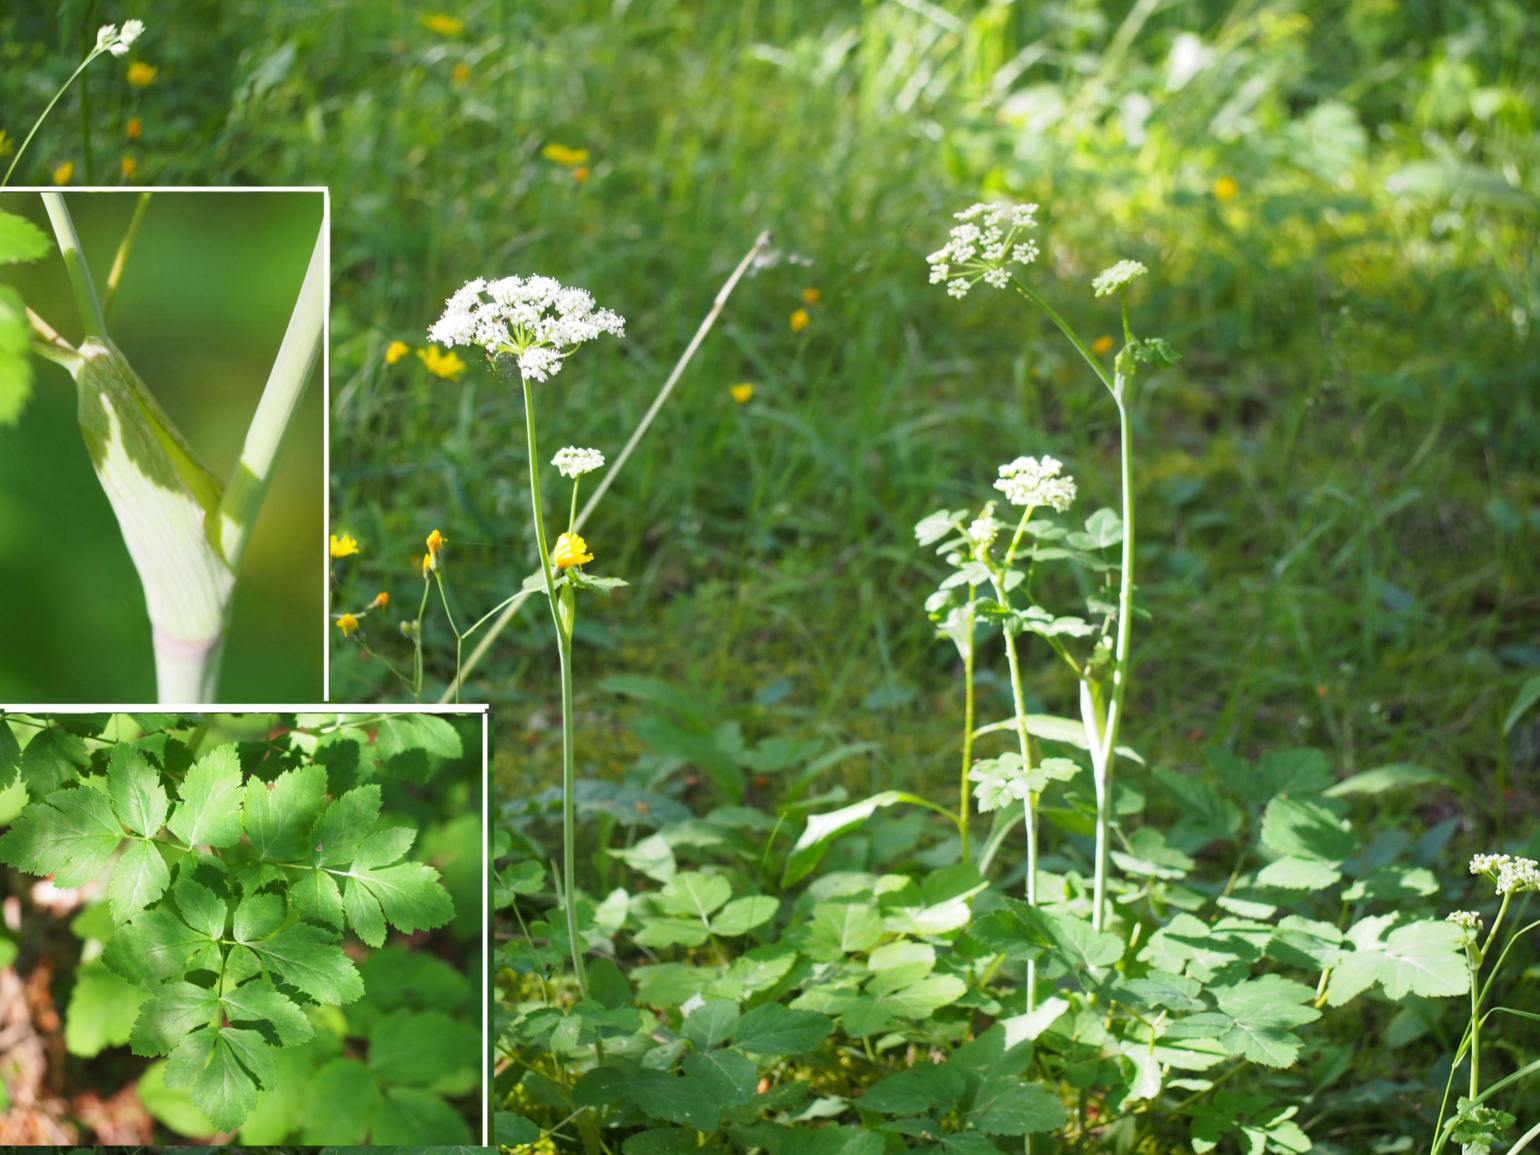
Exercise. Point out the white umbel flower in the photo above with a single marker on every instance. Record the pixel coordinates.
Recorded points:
(536, 320)
(984, 246)
(1466, 920)
(1117, 278)
(1510, 873)
(1032, 481)
(574, 462)
(110, 39)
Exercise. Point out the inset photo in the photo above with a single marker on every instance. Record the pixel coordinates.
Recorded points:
(259, 928)
(162, 445)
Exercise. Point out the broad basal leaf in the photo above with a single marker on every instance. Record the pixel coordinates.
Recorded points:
(70, 834)
(210, 811)
(1255, 1020)
(1425, 958)
(1010, 1106)
(772, 1030)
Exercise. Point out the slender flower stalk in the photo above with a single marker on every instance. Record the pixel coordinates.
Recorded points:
(536, 323)
(111, 40)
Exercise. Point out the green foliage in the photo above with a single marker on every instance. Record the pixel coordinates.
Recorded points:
(222, 947)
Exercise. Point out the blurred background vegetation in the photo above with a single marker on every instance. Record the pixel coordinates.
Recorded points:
(1336, 200)
(205, 298)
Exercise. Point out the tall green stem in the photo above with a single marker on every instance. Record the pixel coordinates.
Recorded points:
(1029, 805)
(1109, 731)
(564, 651)
(964, 804)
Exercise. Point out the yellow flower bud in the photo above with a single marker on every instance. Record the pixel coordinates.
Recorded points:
(347, 623)
(570, 550)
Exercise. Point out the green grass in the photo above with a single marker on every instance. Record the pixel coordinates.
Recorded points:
(1339, 475)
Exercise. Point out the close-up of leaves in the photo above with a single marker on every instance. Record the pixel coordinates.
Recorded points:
(234, 915)
(999, 540)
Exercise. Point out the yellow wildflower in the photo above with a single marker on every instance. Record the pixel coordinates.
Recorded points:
(381, 601)
(347, 623)
(460, 73)
(564, 156)
(141, 75)
(62, 174)
(443, 24)
(800, 320)
(344, 546)
(570, 550)
(580, 174)
(1226, 189)
(128, 166)
(441, 364)
(134, 129)
(436, 542)
(1102, 345)
(812, 296)
(395, 351)
(742, 392)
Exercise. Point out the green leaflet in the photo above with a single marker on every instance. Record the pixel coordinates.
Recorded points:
(70, 834)
(279, 814)
(222, 1069)
(137, 795)
(210, 811)
(407, 895)
(308, 958)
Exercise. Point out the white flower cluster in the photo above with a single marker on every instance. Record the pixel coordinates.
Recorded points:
(1030, 481)
(109, 39)
(984, 246)
(534, 319)
(1511, 873)
(1120, 276)
(574, 462)
(1466, 920)
(982, 532)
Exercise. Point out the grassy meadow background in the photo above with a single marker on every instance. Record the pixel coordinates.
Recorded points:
(1337, 484)
(204, 301)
